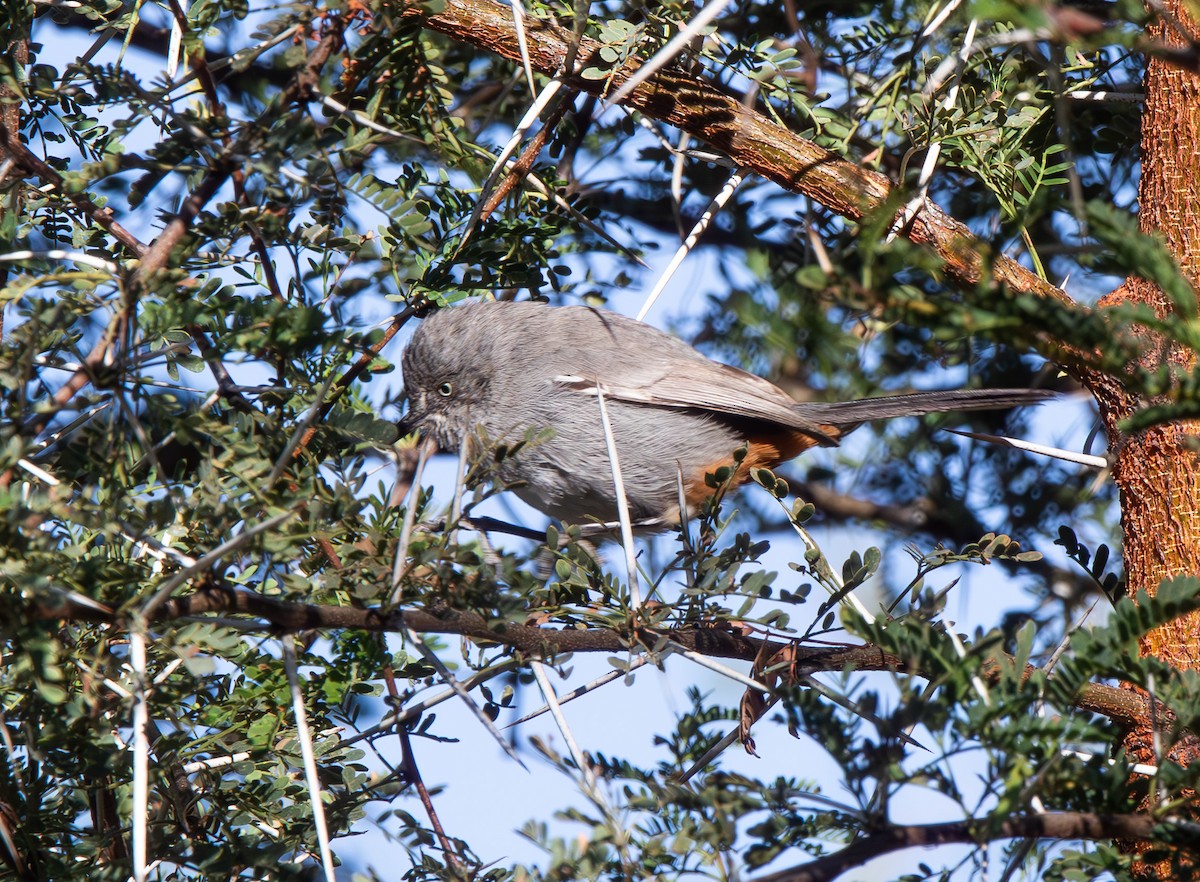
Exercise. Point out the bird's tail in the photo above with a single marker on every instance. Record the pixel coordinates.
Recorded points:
(850, 413)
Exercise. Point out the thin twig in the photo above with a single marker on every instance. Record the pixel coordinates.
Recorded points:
(635, 593)
(718, 202)
(298, 433)
(460, 476)
(668, 52)
(518, 9)
(414, 709)
(715, 666)
(1087, 459)
(827, 572)
(581, 761)
(726, 742)
(590, 783)
(216, 762)
(961, 651)
(401, 565)
(678, 162)
(202, 563)
(523, 126)
(58, 254)
(366, 122)
(438, 665)
(904, 218)
(854, 707)
(580, 691)
(413, 774)
(304, 737)
(141, 748)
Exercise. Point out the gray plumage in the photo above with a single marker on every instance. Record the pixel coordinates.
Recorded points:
(508, 371)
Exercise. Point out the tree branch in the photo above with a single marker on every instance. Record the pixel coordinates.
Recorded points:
(749, 138)
(1123, 707)
(32, 166)
(1063, 826)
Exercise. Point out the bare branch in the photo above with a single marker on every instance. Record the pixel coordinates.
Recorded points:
(1066, 825)
(1123, 707)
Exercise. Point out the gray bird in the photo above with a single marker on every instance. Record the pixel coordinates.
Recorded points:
(506, 372)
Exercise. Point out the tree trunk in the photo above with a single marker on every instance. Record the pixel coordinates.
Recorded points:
(1156, 469)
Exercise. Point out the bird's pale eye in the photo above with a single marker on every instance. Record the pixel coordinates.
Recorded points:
(446, 390)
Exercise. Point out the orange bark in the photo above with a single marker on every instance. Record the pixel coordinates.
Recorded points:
(1157, 469)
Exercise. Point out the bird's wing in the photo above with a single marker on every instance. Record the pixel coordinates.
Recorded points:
(704, 385)
(684, 378)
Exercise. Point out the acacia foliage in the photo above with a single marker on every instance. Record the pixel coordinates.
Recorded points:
(198, 392)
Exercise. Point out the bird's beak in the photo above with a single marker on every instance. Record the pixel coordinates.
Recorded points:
(412, 420)
(407, 425)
